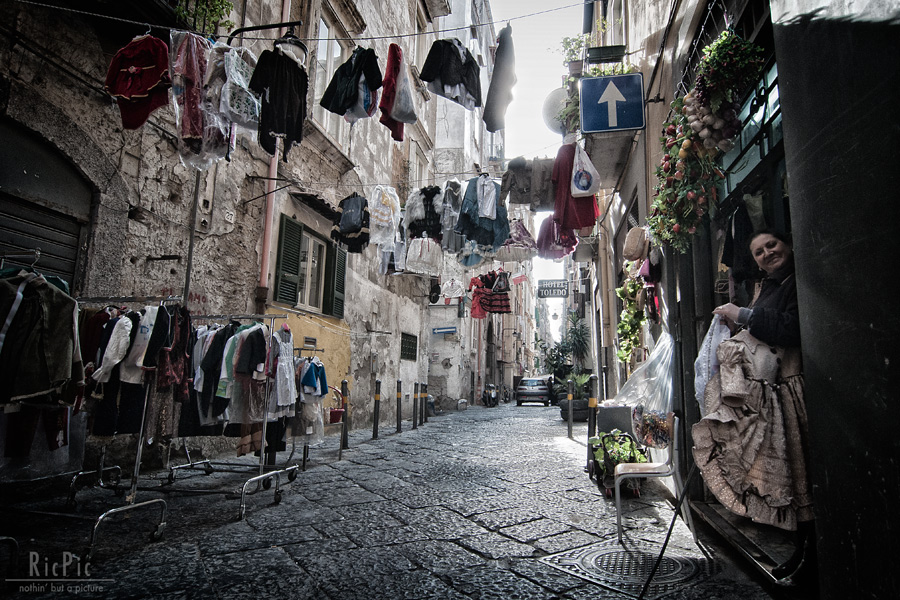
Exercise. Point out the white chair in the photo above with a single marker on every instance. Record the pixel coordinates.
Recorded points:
(655, 469)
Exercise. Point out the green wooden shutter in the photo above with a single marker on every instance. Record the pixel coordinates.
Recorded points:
(335, 277)
(287, 269)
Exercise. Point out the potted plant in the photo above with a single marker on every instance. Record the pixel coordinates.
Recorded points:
(599, 53)
(573, 53)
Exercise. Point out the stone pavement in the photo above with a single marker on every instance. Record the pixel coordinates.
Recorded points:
(487, 503)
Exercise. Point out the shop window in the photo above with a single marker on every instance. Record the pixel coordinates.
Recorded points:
(409, 346)
(310, 272)
(329, 56)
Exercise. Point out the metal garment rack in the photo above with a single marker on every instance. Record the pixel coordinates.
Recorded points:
(264, 477)
(130, 503)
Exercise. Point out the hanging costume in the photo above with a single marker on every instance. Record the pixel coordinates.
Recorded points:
(450, 71)
(138, 78)
(502, 81)
(451, 241)
(752, 445)
(283, 85)
(425, 257)
(342, 92)
(571, 212)
(519, 247)
(384, 215)
(397, 106)
(484, 231)
(356, 235)
(423, 213)
(554, 241)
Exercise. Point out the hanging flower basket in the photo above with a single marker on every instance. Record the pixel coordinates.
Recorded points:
(605, 54)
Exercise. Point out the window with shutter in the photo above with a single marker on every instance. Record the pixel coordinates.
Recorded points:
(309, 272)
(287, 269)
(335, 278)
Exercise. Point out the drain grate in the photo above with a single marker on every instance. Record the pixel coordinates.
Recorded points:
(625, 569)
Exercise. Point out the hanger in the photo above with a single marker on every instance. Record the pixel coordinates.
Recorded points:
(291, 45)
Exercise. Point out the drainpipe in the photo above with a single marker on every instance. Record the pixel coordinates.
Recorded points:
(262, 291)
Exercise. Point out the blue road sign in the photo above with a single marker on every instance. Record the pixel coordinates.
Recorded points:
(613, 103)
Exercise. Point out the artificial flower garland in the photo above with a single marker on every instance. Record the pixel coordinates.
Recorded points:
(703, 123)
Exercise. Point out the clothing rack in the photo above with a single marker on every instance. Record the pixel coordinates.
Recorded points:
(130, 499)
(264, 477)
(34, 254)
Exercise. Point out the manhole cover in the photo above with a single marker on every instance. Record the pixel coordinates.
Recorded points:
(625, 569)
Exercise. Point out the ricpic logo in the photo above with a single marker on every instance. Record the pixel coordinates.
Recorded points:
(57, 573)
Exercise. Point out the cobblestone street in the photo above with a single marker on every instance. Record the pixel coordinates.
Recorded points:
(483, 503)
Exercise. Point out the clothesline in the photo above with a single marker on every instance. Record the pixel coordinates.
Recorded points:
(347, 39)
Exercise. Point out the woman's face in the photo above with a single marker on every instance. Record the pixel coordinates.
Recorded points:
(769, 252)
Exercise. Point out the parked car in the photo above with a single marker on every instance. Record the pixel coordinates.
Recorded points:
(533, 390)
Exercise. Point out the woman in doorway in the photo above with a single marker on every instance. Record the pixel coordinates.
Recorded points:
(752, 445)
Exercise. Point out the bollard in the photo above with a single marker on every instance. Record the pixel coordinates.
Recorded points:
(345, 417)
(415, 415)
(422, 387)
(377, 409)
(423, 405)
(571, 386)
(399, 406)
(592, 420)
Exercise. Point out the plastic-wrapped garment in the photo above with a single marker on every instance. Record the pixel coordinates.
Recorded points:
(425, 257)
(487, 193)
(131, 371)
(707, 363)
(503, 79)
(342, 92)
(651, 384)
(555, 242)
(283, 85)
(366, 103)
(238, 103)
(202, 134)
(450, 207)
(384, 215)
(470, 254)
(397, 97)
(308, 425)
(138, 78)
(519, 247)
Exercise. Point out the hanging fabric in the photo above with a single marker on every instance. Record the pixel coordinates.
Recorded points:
(342, 92)
(238, 104)
(568, 211)
(366, 103)
(283, 85)
(138, 78)
(543, 192)
(502, 81)
(487, 196)
(516, 181)
(450, 71)
(351, 224)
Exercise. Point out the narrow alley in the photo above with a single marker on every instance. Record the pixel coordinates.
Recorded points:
(480, 503)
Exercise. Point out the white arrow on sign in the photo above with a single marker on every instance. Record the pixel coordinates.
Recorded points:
(611, 95)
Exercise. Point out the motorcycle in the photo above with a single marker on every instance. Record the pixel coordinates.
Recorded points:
(489, 396)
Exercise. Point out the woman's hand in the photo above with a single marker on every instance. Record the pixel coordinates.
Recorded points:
(729, 311)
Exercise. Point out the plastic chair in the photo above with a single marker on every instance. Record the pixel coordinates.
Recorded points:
(655, 469)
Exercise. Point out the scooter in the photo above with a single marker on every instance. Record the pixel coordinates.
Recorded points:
(489, 396)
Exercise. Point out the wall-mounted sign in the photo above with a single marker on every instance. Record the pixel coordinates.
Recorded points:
(438, 330)
(553, 288)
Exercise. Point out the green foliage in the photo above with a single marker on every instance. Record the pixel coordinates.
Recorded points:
(729, 66)
(573, 48)
(631, 319)
(581, 389)
(206, 15)
(578, 339)
(621, 450)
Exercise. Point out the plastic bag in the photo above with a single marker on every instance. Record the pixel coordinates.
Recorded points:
(366, 103)
(651, 384)
(404, 109)
(585, 178)
(707, 363)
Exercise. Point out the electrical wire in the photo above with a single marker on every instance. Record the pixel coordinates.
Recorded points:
(338, 39)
